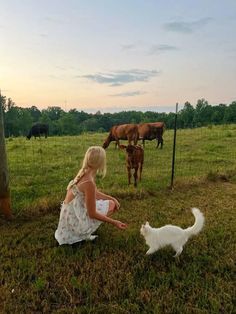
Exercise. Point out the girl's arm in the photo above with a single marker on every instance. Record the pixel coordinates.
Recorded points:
(90, 201)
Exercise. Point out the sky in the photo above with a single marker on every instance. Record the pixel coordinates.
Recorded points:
(112, 55)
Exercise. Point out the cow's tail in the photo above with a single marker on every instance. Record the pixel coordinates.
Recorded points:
(164, 127)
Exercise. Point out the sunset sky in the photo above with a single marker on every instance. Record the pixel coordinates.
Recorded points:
(117, 55)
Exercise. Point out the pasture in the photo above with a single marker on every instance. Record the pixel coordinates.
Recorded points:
(113, 274)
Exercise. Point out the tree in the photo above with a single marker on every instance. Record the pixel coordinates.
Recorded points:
(25, 121)
(54, 112)
(218, 114)
(3, 102)
(68, 125)
(35, 113)
(90, 125)
(203, 113)
(187, 115)
(230, 113)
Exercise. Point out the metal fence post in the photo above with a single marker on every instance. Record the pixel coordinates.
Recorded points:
(174, 146)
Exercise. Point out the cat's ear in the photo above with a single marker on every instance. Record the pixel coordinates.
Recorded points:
(147, 223)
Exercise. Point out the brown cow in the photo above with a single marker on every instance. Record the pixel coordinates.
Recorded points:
(134, 160)
(122, 132)
(150, 131)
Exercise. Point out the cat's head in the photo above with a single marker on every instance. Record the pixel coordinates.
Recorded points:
(144, 229)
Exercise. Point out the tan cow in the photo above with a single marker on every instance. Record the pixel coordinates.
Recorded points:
(122, 132)
(150, 131)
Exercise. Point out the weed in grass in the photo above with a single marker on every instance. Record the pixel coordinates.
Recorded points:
(40, 284)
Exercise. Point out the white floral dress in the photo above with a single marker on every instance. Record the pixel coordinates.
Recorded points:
(75, 224)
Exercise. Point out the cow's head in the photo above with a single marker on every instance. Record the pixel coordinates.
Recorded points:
(129, 148)
(108, 141)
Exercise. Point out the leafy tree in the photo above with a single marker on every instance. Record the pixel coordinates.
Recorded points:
(3, 102)
(53, 113)
(187, 115)
(68, 125)
(25, 121)
(218, 114)
(230, 113)
(202, 113)
(35, 113)
(91, 125)
(19, 120)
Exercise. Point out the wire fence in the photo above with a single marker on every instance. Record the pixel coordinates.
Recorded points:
(41, 168)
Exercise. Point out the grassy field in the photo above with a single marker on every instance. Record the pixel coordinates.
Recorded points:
(113, 274)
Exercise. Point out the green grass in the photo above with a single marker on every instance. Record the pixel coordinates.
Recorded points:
(113, 274)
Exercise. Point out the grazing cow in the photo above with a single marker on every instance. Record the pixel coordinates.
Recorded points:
(122, 132)
(38, 129)
(134, 160)
(150, 131)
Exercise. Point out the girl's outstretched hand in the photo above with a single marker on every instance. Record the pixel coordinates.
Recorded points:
(120, 225)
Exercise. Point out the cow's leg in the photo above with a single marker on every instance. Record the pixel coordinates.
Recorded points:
(143, 143)
(135, 176)
(161, 143)
(117, 143)
(129, 174)
(140, 171)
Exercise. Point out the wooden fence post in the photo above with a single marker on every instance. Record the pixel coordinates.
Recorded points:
(5, 198)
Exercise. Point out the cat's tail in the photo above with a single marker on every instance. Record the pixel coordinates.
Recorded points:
(199, 222)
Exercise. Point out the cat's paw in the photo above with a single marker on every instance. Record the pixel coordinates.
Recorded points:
(92, 237)
(149, 252)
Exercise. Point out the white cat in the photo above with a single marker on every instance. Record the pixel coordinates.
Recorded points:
(175, 236)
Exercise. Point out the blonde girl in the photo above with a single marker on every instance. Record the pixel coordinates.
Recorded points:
(84, 207)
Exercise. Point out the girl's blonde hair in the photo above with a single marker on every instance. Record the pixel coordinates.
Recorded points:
(95, 158)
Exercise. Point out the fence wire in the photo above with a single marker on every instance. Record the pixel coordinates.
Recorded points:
(41, 168)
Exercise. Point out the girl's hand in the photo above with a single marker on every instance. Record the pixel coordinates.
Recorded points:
(120, 225)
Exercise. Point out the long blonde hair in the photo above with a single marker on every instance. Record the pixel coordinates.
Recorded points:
(95, 158)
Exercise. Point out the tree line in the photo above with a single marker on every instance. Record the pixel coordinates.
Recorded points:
(18, 120)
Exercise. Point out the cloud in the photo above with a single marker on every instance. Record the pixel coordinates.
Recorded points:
(156, 49)
(187, 27)
(54, 20)
(119, 78)
(128, 94)
(128, 46)
(43, 35)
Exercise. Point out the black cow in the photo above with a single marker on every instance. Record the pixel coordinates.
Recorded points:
(38, 129)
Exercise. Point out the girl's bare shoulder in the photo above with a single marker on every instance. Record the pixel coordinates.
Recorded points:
(86, 182)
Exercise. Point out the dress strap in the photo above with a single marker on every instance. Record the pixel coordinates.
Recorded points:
(74, 188)
(80, 183)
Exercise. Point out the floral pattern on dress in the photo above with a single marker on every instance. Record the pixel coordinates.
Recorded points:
(75, 224)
